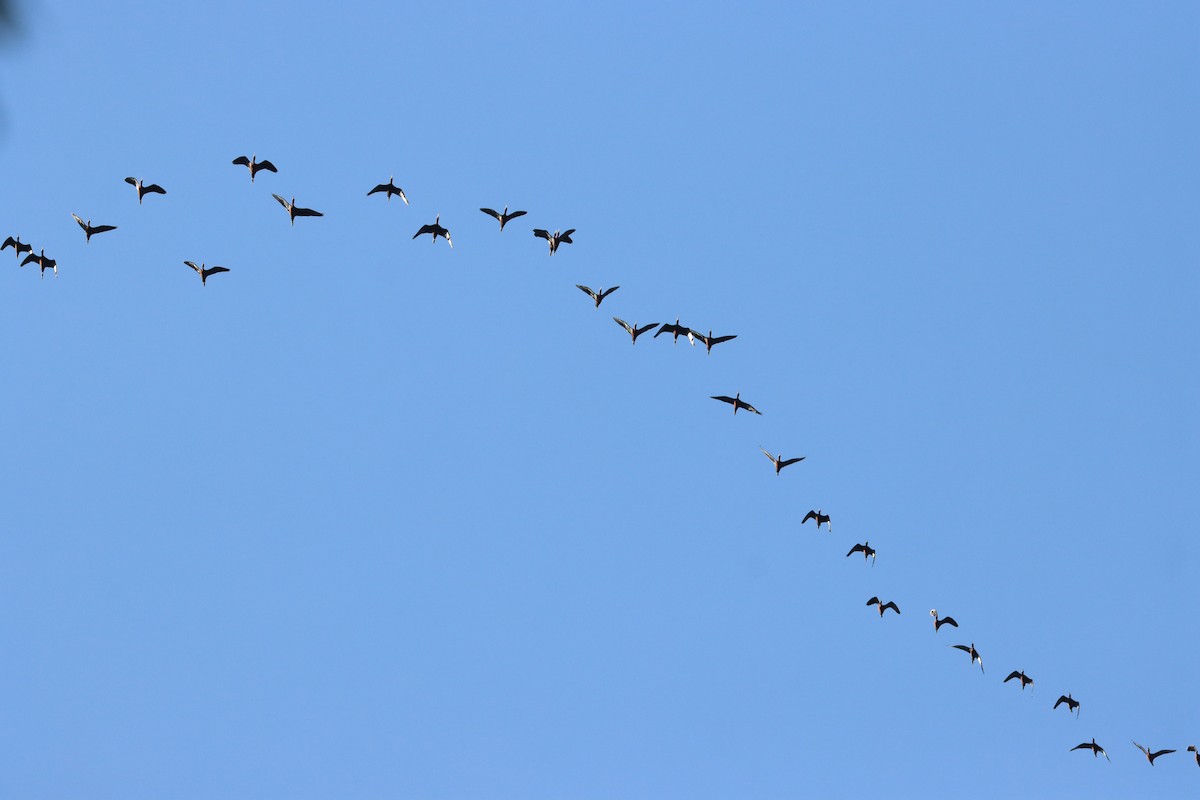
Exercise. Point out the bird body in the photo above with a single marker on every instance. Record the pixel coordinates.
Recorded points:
(89, 229)
(778, 460)
(596, 296)
(204, 273)
(142, 190)
(42, 262)
(736, 401)
(1151, 756)
(939, 622)
(295, 210)
(633, 330)
(868, 552)
(389, 189)
(435, 230)
(971, 651)
(254, 165)
(1095, 748)
(555, 239)
(1072, 703)
(17, 245)
(711, 340)
(875, 601)
(820, 518)
(1021, 676)
(503, 216)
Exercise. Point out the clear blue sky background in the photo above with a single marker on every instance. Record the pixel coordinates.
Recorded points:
(370, 517)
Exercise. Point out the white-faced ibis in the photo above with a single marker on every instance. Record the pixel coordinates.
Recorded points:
(1022, 677)
(89, 228)
(503, 216)
(633, 330)
(971, 651)
(778, 460)
(142, 191)
(1095, 748)
(204, 273)
(435, 230)
(676, 330)
(1072, 703)
(875, 601)
(555, 239)
(1192, 749)
(938, 622)
(737, 402)
(17, 245)
(389, 189)
(42, 262)
(711, 340)
(295, 210)
(1151, 756)
(820, 518)
(596, 296)
(868, 552)
(254, 165)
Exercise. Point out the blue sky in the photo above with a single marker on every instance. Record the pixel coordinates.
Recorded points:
(371, 517)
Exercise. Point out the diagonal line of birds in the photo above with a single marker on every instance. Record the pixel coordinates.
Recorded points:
(555, 239)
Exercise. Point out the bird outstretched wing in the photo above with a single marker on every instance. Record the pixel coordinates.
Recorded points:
(628, 328)
(586, 290)
(541, 233)
(283, 202)
(242, 161)
(82, 224)
(268, 166)
(491, 212)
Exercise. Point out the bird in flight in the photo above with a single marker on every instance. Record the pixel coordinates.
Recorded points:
(1192, 749)
(820, 518)
(676, 330)
(89, 229)
(295, 210)
(737, 402)
(435, 230)
(1151, 756)
(597, 296)
(868, 552)
(875, 601)
(1095, 748)
(971, 651)
(778, 460)
(42, 262)
(254, 165)
(711, 340)
(204, 273)
(1025, 679)
(503, 216)
(633, 330)
(555, 239)
(939, 622)
(17, 245)
(142, 191)
(389, 189)
(1072, 703)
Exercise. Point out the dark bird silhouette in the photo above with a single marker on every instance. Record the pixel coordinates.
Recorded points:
(1095, 748)
(737, 402)
(778, 460)
(676, 330)
(390, 189)
(142, 191)
(1192, 749)
(971, 651)
(711, 340)
(1151, 756)
(939, 622)
(1025, 679)
(555, 239)
(42, 262)
(820, 518)
(295, 210)
(633, 330)
(435, 230)
(597, 296)
(503, 216)
(868, 552)
(875, 601)
(17, 245)
(1072, 703)
(204, 273)
(254, 165)
(89, 229)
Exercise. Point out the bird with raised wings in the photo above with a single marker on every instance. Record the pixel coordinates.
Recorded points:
(389, 189)
(875, 601)
(1021, 676)
(778, 460)
(1072, 703)
(42, 262)
(17, 245)
(938, 622)
(711, 340)
(868, 552)
(295, 210)
(555, 239)
(204, 273)
(596, 296)
(972, 652)
(1151, 756)
(503, 216)
(736, 401)
(435, 230)
(143, 190)
(633, 330)
(89, 228)
(822, 519)
(1095, 748)
(254, 165)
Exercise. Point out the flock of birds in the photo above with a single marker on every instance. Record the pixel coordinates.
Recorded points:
(676, 330)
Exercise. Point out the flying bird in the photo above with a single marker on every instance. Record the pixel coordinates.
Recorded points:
(868, 552)
(1095, 748)
(1151, 756)
(778, 460)
(875, 601)
(737, 402)
(390, 189)
(555, 239)
(1025, 679)
(435, 230)
(142, 191)
(597, 296)
(820, 518)
(204, 273)
(1192, 749)
(711, 340)
(1072, 703)
(503, 216)
(939, 622)
(254, 165)
(89, 229)
(971, 651)
(633, 330)
(42, 262)
(17, 245)
(676, 330)
(295, 210)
